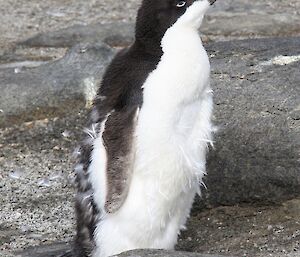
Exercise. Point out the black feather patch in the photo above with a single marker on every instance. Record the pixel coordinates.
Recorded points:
(118, 139)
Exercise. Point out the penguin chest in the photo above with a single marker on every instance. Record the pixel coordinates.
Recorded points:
(168, 169)
(171, 154)
(171, 138)
(169, 146)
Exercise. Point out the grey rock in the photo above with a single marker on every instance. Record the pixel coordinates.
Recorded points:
(52, 88)
(242, 19)
(292, 208)
(114, 34)
(53, 250)
(257, 93)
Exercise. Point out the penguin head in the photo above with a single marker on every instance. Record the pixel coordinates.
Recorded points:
(155, 17)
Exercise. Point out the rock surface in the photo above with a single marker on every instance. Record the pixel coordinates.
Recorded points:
(257, 104)
(242, 19)
(54, 250)
(20, 20)
(112, 33)
(54, 87)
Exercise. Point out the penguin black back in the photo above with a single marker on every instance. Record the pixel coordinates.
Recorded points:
(121, 85)
(120, 92)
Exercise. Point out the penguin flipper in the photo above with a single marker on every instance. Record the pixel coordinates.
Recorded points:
(118, 138)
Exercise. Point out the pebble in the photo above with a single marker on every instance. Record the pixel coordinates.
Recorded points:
(66, 134)
(45, 182)
(16, 174)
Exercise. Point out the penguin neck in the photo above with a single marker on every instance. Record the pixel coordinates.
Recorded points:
(149, 46)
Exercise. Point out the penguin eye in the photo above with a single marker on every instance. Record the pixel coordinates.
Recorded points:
(181, 4)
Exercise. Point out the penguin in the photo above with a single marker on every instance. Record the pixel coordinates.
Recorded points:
(143, 159)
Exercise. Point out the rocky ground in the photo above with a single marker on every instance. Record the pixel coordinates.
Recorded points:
(36, 156)
(36, 200)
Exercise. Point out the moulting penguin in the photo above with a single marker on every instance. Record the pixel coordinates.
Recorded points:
(144, 159)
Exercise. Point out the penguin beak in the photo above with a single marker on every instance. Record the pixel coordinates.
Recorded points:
(212, 1)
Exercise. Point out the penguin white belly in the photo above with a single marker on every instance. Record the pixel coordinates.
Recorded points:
(171, 140)
(165, 179)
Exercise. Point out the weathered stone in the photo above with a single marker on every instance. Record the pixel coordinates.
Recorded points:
(244, 230)
(257, 93)
(52, 88)
(53, 250)
(241, 19)
(115, 34)
(292, 208)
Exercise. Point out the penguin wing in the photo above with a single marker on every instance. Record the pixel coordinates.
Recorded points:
(118, 139)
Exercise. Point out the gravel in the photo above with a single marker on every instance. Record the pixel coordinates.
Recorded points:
(22, 19)
(35, 187)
